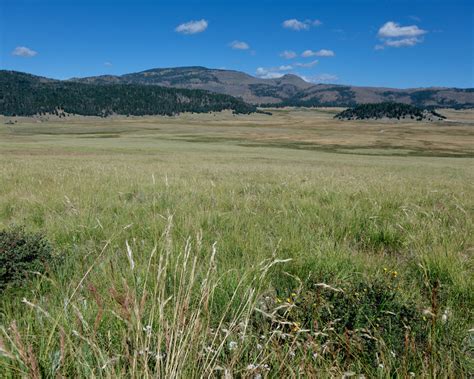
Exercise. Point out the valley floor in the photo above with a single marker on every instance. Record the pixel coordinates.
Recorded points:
(283, 245)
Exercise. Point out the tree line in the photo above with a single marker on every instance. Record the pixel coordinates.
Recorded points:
(386, 110)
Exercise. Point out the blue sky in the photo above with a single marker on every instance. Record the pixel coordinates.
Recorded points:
(415, 43)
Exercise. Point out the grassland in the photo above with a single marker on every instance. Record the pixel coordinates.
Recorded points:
(219, 245)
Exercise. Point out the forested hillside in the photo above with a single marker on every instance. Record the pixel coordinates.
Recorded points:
(25, 95)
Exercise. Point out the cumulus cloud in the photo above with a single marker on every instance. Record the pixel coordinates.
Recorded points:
(108, 64)
(298, 25)
(264, 74)
(403, 42)
(279, 71)
(272, 72)
(288, 54)
(192, 27)
(23, 51)
(392, 30)
(239, 45)
(393, 35)
(320, 53)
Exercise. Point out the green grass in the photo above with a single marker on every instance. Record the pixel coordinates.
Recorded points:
(377, 278)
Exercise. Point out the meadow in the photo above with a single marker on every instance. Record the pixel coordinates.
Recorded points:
(291, 245)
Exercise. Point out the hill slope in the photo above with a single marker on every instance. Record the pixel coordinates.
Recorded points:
(25, 95)
(287, 90)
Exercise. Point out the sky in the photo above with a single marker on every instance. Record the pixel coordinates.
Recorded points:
(402, 44)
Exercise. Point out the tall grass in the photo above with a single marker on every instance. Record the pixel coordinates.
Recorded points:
(199, 260)
(153, 319)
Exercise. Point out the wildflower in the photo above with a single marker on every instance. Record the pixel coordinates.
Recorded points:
(411, 374)
(259, 347)
(296, 326)
(232, 345)
(381, 366)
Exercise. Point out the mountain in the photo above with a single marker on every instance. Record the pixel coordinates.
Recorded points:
(287, 90)
(234, 83)
(25, 95)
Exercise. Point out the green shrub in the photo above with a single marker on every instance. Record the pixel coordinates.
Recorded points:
(20, 254)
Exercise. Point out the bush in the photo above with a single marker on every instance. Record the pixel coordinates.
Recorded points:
(20, 254)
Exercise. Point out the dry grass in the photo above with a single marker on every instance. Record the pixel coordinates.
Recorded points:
(297, 128)
(163, 222)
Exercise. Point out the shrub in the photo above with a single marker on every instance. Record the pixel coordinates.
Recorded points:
(20, 254)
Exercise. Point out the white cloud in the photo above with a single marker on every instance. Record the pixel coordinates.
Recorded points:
(325, 78)
(393, 30)
(403, 42)
(239, 45)
(298, 25)
(272, 72)
(265, 74)
(393, 35)
(23, 51)
(295, 24)
(288, 54)
(192, 27)
(307, 65)
(108, 64)
(320, 53)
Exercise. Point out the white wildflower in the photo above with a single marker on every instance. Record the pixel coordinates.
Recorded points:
(232, 345)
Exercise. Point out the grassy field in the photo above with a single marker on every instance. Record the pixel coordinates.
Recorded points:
(219, 245)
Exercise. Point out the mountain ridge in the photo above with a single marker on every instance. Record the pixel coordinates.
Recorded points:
(287, 90)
